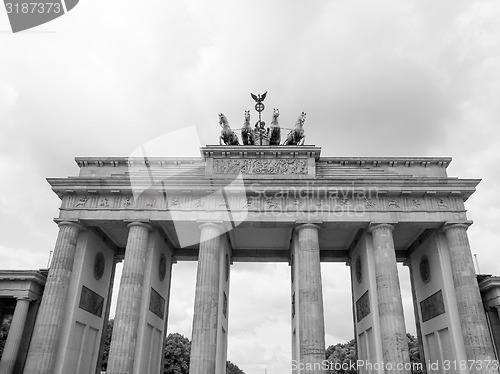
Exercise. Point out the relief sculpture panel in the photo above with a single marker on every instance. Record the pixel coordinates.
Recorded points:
(260, 166)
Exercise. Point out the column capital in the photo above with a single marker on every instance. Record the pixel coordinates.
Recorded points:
(307, 226)
(215, 224)
(380, 226)
(19, 298)
(68, 222)
(455, 225)
(144, 224)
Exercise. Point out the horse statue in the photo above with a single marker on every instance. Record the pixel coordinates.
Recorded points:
(275, 130)
(247, 135)
(297, 136)
(227, 135)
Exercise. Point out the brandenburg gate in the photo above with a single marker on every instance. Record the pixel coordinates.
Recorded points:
(263, 200)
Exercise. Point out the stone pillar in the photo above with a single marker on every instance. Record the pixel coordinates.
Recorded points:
(477, 340)
(390, 305)
(13, 342)
(1, 313)
(126, 324)
(47, 330)
(310, 299)
(206, 304)
(418, 325)
(116, 259)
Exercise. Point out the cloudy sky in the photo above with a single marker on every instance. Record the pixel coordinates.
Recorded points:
(376, 78)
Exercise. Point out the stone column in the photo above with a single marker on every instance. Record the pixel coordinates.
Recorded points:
(47, 330)
(390, 304)
(13, 342)
(206, 303)
(477, 341)
(128, 307)
(310, 299)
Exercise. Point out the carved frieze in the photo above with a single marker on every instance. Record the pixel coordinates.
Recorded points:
(369, 203)
(441, 204)
(393, 203)
(82, 202)
(128, 202)
(260, 166)
(271, 204)
(267, 201)
(416, 204)
(248, 204)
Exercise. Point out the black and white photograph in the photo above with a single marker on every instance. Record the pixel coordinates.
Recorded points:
(249, 187)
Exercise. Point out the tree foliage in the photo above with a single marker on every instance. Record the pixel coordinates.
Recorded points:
(342, 355)
(233, 369)
(107, 344)
(414, 352)
(177, 353)
(4, 331)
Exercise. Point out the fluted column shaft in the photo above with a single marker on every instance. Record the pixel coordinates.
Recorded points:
(47, 330)
(477, 341)
(206, 304)
(128, 307)
(310, 302)
(13, 342)
(390, 304)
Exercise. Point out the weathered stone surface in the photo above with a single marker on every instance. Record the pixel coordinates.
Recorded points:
(13, 342)
(390, 305)
(206, 304)
(310, 303)
(476, 337)
(47, 331)
(123, 343)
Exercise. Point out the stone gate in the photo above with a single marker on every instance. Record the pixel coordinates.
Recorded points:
(265, 203)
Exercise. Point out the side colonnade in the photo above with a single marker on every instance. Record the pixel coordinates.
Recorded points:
(75, 307)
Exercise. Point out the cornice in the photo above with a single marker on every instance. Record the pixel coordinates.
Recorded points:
(23, 275)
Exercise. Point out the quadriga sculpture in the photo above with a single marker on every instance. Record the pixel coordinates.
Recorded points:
(275, 130)
(247, 135)
(227, 135)
(297, 136)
